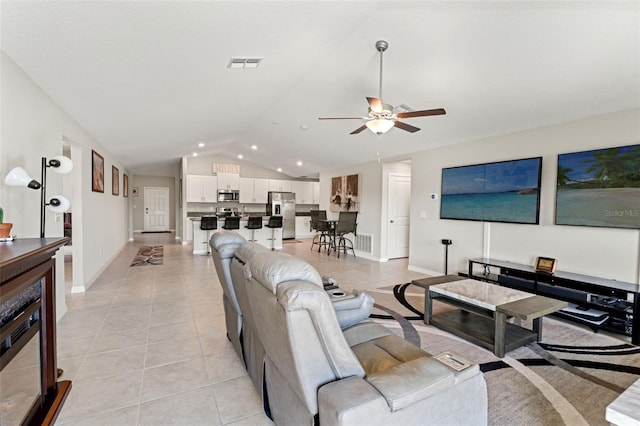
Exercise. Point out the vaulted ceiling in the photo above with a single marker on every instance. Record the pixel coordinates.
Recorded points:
(150, 79)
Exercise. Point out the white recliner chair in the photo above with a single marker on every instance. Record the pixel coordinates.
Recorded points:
(315, 371)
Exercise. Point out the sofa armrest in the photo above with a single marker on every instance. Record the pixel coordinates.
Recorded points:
(350, 401)
(352, 309)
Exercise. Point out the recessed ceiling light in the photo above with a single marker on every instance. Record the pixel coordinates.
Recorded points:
(279, 169)
(201, 144)
(304, 127)
(299, 163)
(254, 147)
(240, 156)
(195, 154)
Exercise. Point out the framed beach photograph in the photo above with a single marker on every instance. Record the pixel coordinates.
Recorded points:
(97, 172)
(115, 180)
(505, 191)
(599, 188)
(125, 185)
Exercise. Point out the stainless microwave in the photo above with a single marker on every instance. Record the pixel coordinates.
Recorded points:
(232, 195)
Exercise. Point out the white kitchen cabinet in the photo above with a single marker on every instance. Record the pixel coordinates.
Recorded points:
(202, 189)
(253, 190)
(304, 192)
(303, 227)
(228, 181)
(280, 185)
(316, 193)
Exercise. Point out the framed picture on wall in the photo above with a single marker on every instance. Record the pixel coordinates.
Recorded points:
(125, 185)
(97, 172)
(345, 194)
(115, 180)
(600, 188)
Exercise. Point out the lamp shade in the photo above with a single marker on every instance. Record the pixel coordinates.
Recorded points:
(61, 164)
(58, 204)
(19, 177)
(379, 126)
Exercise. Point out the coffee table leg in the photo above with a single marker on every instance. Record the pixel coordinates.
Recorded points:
(500, 330)
(537, 328)
(427, 305)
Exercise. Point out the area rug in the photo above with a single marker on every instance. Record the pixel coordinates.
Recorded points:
(148, 255)
(568, 378)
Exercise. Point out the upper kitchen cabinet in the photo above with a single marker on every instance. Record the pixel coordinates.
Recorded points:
(202, 189)
(316, 193)
(228, 181)
(253, 190)
(278, 185)
(304, 192)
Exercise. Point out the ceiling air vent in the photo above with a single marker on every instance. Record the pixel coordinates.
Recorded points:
(244, 62)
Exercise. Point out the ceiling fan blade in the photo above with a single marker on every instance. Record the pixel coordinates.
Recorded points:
(375, 104)
(340, 118)
(405, 126)
(423, 113)
(359, 129)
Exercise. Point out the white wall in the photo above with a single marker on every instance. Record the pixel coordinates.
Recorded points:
(34, 126)
(604, 252)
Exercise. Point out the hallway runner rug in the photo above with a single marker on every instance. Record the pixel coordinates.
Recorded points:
(148, 255)
(567, 379)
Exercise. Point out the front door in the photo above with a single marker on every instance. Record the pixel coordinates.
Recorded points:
(156, 209)
(398, 214)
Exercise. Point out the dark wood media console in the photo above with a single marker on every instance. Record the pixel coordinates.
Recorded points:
(619, 301)
(28, 332)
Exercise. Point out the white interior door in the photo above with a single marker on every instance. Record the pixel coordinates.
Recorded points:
(156, 209)
(398, 214)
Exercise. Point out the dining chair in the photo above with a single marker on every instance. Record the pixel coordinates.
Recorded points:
(346, 225)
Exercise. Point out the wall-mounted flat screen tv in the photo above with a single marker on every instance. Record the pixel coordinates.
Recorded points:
(599, 188)
(505, 191)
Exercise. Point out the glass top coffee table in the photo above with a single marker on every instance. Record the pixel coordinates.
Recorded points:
(484, 308)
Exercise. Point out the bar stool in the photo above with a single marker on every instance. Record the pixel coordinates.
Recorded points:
(208, 223)
(275, 222)
(231, 222)
(255, 222)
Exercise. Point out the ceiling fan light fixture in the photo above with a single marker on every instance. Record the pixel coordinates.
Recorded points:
(379, 126)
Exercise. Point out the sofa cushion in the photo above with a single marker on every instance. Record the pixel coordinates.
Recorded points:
(271, 269)
(412, 381)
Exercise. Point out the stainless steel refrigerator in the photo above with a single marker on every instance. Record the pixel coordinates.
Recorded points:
(284, 204)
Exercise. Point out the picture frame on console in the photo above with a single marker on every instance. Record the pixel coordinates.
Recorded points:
(546, 265)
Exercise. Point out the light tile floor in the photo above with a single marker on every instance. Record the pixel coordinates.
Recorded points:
(147, 345)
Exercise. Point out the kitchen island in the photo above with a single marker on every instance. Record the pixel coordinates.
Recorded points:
(262, 236)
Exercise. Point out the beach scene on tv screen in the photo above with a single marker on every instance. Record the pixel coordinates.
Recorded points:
(506, 191)
(599, 188)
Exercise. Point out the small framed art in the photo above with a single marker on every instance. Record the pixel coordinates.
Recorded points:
(97, 172)
(125, 185)
(115, 180)
(546, 265)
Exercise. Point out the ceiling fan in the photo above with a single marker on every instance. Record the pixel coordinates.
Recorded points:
(381, 117)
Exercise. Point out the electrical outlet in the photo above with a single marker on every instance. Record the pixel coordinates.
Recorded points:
(423, 215)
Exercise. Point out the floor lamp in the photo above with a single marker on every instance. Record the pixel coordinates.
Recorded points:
(58, 203)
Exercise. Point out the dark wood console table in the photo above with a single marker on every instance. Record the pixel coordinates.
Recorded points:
(619, 299)
(29, 322)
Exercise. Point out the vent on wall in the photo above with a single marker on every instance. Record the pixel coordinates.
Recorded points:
(362, 243)
(244, 62)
